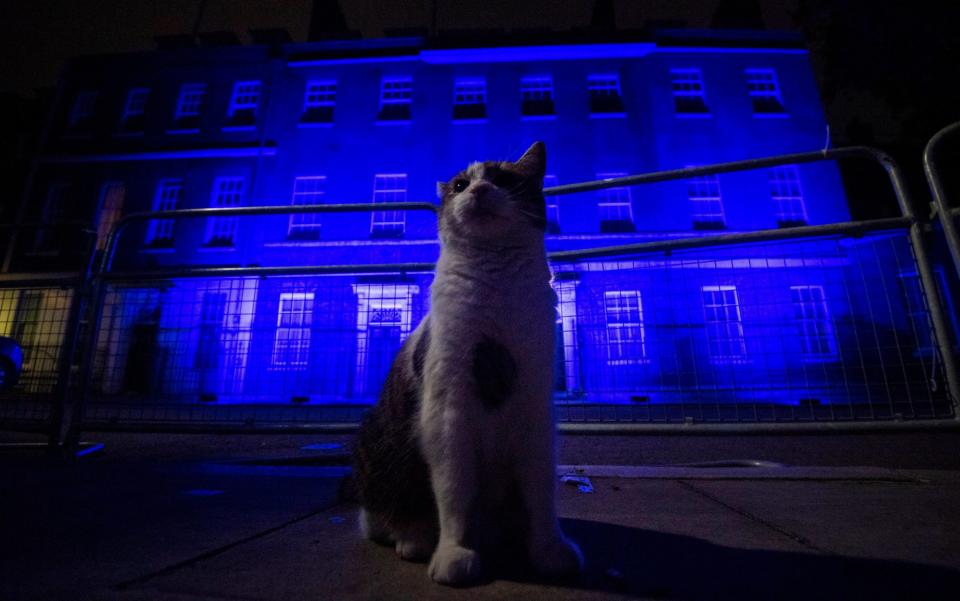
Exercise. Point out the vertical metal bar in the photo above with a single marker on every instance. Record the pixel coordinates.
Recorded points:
(927, 282)
(932, 172)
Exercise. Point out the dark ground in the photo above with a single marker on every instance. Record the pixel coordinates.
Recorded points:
(871, 516)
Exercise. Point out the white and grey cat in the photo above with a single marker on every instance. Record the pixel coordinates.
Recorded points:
(458, 455)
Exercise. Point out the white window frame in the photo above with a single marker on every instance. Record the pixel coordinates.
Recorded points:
(291, 343)
(706, 199)
(617, 200)
(762, 83)
(389, 187)
(189, 103)
(786, 192)
(536, 87)
(166, 197)
(307, 190)
(724, 324)
(82, 109)
(470, 91)
(136, 104)
(688, 82)
(227, 192)
(814, 325)
(605, 85)
(396, 90)
(246, 95)
(320, 92)
(616, 342)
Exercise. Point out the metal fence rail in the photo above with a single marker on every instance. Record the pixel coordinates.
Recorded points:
(813, 325)
(946, 214)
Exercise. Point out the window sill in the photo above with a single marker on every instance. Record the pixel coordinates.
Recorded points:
(771, 115)
(314, 124)
(393, 121)
(538, 117)
(158, 250)
(469, 121)
(693, 115)
(608, 115)
(210, 249)
(238, 128)
(183, 131)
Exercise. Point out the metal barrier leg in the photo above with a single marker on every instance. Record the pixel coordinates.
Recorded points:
(943, 211)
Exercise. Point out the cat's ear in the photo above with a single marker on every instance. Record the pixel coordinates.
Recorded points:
(533, 163)
(441, 189)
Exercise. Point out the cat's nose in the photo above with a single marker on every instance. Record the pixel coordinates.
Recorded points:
(481, 190)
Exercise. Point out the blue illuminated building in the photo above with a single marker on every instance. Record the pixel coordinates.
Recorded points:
(382, 120)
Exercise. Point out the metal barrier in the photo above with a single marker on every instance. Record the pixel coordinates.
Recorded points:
(947, 215)
(866, 342)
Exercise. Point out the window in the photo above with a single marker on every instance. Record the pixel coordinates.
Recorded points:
(396, 94)
(291, 347)
(388, 187)
(813, 321)
(536, 94)
(54, 208)
(213, 308)
(189, 105)
(688, 96)
(319, 100)
(166, 198)
(605, 96)
(469, 99)
(227, 192)
(81, 113)
(787, 196)
(706, 204)
(616, 207)
(132, 120)
(721, 308)
(764, 92)
(242, 113)
(553, 208)
(626, 340)
(111, 206)
(306, 191)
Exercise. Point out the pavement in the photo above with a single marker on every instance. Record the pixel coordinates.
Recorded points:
(265, 518)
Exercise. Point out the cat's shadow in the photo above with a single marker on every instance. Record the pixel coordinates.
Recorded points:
(657, 565)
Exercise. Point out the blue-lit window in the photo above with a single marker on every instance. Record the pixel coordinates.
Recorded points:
(111, 206)
(227, 192)
(605, 98)
(626, 339)
(81, 113)
(553, 208)
(186, 118)
(813, 321)
(213, 308)
(764, 92)
(536, 95)
(469, 99)
(307, 190)
(787, 196)
(132, 120)
(615, 206)
(388, 187)
(688, 93)
(291, 347)
(54, 210)
(721, 308)
(396, 95)
(167, 197)
(706, 202)
(319, 101)
(242, 113)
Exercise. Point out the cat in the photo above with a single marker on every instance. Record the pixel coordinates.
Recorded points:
(459, 452)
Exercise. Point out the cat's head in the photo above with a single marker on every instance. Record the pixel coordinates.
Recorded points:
(496, 201)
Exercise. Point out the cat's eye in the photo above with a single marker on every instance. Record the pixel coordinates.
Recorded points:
(460, 185)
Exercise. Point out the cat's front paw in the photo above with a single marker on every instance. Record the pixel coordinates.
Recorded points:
(557, 557)
(454, 565)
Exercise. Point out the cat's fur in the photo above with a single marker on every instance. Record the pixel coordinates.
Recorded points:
(459, 451)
